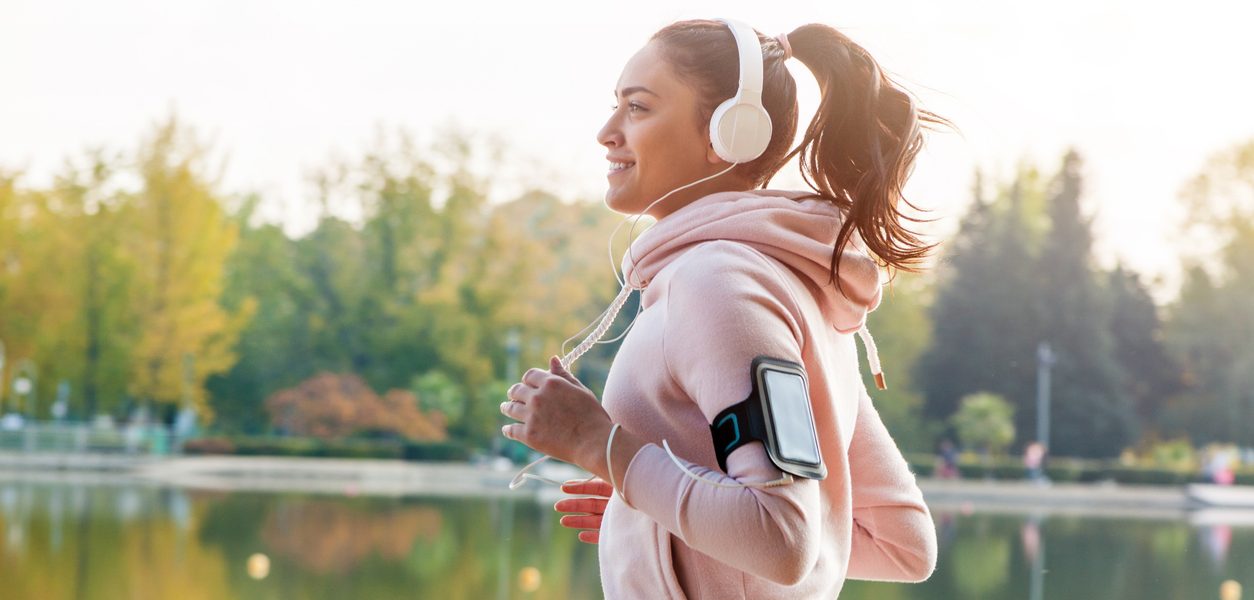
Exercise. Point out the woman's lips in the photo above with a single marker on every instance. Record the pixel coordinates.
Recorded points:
(613, 172)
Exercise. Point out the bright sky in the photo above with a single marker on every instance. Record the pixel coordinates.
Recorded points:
(1145, 90)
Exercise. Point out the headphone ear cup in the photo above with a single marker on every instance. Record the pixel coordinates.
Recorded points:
(740, 131)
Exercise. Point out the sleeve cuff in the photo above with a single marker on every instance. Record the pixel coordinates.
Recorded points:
(627, 478)
(653, 485)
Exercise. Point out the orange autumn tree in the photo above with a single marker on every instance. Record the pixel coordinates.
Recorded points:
(330, 406)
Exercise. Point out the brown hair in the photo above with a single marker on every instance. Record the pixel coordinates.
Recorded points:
(858, 150)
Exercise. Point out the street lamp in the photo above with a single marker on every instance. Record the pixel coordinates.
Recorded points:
(24, 385)
(1045, 359)
(1, 376)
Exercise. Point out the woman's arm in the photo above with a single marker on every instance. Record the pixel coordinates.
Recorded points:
(726, 304)
(894, 538)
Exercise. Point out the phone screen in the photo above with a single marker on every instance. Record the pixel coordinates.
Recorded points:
(790, 416)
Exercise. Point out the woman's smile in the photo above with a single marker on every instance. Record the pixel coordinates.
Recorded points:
(616, 168)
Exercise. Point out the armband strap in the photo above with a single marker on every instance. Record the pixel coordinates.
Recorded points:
(736, 426)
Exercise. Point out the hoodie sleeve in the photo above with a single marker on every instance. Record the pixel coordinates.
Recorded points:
(726, 304)
(894, 538)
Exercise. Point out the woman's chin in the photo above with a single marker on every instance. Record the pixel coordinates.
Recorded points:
(619, 202)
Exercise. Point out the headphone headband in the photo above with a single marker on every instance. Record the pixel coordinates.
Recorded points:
(750, 51)
(740, 128)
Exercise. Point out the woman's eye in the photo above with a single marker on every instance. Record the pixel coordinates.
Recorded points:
(631, 107)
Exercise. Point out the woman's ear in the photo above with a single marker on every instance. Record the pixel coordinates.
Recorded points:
(710, 155)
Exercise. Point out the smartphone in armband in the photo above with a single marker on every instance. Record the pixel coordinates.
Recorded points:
(777, 413)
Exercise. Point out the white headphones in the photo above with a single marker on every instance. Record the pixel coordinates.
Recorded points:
(740, 128)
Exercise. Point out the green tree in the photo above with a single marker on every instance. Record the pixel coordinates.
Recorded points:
(62, 301)
(1208, 328)
(97, 349)
(1152, 375)
(437, 392)
(986, 320)
(985, 421)
(1091, 414)
(902, 332)
(275, 349)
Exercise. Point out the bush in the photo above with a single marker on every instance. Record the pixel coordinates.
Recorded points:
(1153, 476)
(213, 445)
(1070, 470)
(313, 447)
(442, 451)
(294, 446)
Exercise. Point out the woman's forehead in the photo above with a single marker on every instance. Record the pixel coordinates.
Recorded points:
(649, 70)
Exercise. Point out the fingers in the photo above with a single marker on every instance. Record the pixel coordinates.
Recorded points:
(520, 392)
(513, 410)
(590, 537)
(581, 505)
(534, 377)
(596, 487)
(581, 521)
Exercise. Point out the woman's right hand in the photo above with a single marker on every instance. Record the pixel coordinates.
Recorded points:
(591, 509)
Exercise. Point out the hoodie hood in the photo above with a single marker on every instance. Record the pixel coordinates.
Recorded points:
(801, 233)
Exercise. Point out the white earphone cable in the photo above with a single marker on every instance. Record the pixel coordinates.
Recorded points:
(606, 320)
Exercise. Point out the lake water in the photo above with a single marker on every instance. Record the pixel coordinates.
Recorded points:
(100, 541)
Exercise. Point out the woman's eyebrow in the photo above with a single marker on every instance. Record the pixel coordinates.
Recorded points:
(627, 91)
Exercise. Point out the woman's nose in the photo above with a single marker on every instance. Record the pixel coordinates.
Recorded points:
(609, 135)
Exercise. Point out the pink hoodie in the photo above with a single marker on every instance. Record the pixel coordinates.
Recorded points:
(728, 277)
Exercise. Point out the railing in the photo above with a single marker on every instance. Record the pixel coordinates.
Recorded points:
(52, 437)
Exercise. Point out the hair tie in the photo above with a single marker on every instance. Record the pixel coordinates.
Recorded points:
(783, 41)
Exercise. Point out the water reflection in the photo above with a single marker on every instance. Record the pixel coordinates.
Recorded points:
(100, 540)
(330, 537)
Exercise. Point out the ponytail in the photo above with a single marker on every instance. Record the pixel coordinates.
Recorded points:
(858, 150)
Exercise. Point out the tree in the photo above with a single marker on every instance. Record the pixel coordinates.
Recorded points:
(102, 328)
(180, 241)
(276, 348)
(1209, 327)
(985, 421)
(902, 332)
(437, 392)
(1091, 414)
(62, 284)
(986, 320)
(1151, 374)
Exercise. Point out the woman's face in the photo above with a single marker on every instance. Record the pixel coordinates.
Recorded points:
(654, 130)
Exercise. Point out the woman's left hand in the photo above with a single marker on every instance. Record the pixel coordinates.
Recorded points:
(559, 415)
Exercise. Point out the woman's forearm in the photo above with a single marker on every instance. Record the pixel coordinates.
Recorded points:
(626, 445)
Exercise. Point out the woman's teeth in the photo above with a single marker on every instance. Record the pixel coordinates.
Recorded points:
(620, 166)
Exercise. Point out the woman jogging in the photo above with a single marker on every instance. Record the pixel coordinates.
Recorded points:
(733, 271)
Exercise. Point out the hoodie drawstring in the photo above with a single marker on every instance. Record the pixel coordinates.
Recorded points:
(872, 355)
(603, 326)
(610, 314)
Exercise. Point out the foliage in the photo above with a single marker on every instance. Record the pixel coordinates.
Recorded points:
(985, 421)
(438, 392)
(112, 277)
(179, 243)
(314, 447)
(1209, 327)
(986, 317)
(1019, 274)
(1174, 454)
(135, 279)
(330, 406)
(902, 331)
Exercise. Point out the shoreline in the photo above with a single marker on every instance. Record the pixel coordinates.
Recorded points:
(396, 478)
